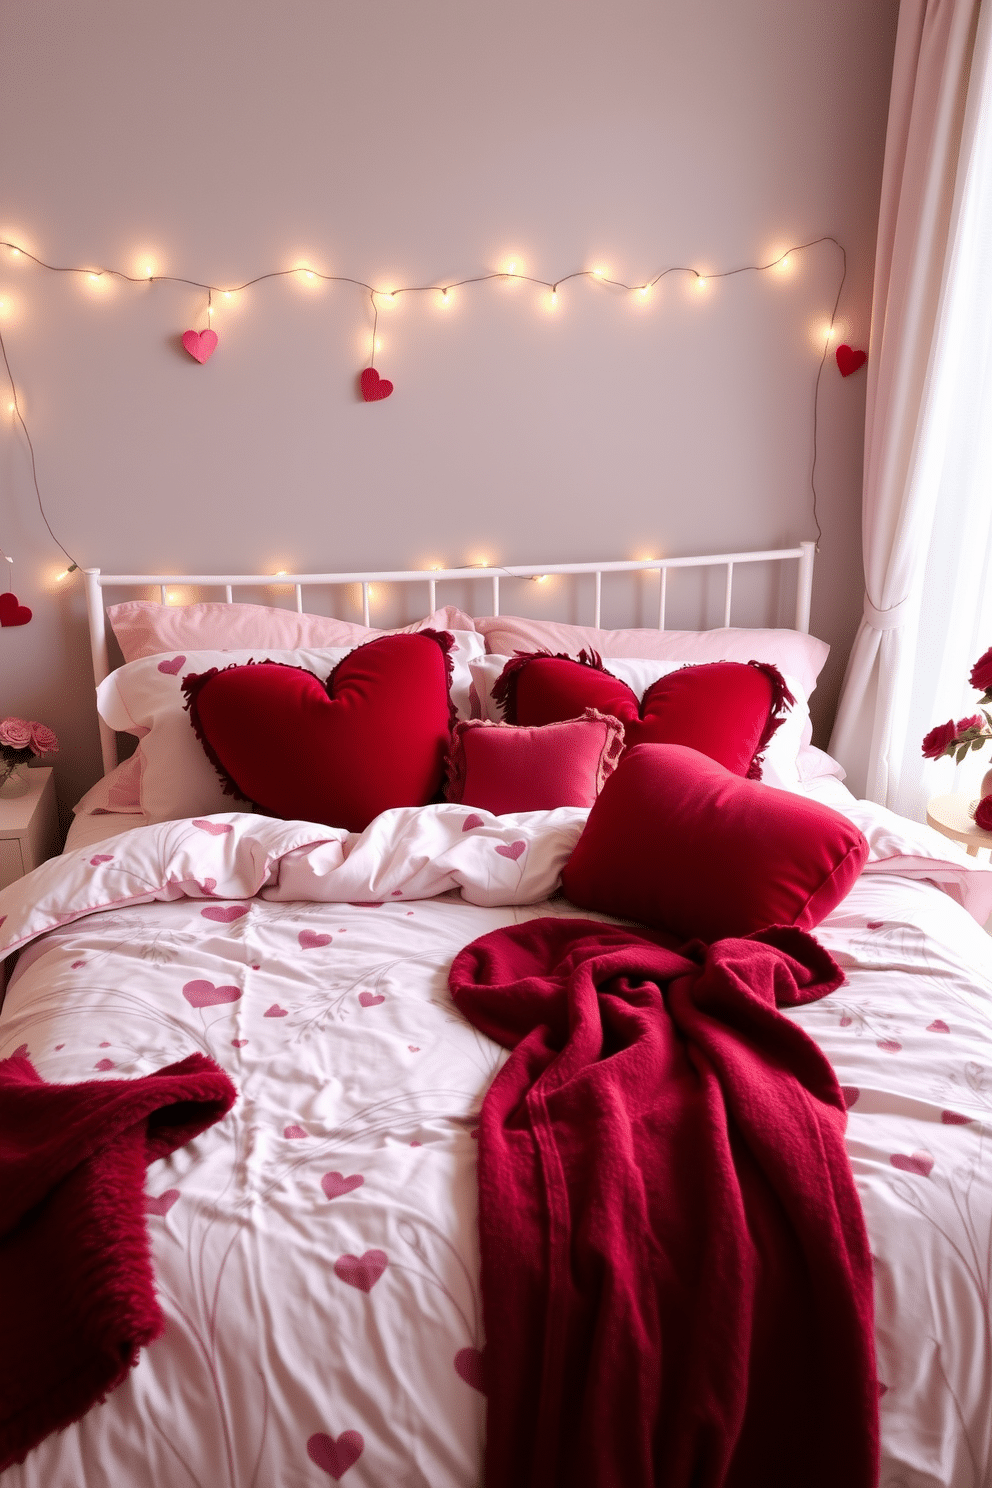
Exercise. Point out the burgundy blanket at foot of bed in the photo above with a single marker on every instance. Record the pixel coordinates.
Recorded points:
(676, 1278)
(77, 1293)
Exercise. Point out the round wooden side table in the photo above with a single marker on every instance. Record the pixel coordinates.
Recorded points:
(951, 815)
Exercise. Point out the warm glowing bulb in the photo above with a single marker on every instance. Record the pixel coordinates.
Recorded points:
(378, 346)
(540, 578)
(11, 407)
(599, 273)
(227, 294)
(444, 297)
(644, 291)
(554, 297)
(16, 252)
(783, 262)
(281, 573)
(95, 278)
(700, 283)
(63, 575)
(210, 311)
(511, 268)
(310, 274)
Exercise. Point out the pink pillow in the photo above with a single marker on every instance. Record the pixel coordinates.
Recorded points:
(677, 842)
(144, 628)
(797, 655)
(504, 769)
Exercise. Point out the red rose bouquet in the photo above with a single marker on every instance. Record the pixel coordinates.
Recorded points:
(958, 739)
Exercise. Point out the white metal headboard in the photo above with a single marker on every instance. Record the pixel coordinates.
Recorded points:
(97, 581)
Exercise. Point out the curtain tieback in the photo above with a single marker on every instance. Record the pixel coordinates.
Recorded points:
(889, 619)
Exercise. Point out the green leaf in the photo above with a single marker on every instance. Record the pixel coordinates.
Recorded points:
(962, 751)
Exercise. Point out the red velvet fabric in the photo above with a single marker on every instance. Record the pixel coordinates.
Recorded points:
(503, 769)
(677, 842)
(373, 737)
(676, 1279)
(726, 709)
(75, 1263)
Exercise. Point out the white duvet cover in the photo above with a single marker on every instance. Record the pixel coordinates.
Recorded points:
(316, 1252)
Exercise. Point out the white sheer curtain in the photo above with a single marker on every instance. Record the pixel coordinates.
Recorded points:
(927, 523)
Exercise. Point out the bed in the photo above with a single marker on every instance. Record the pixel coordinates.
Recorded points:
(316, 1252)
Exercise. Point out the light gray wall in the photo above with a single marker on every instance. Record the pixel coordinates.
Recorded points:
(415, 143)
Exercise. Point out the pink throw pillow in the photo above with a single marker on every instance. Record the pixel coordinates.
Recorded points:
(677, 842)
(504, 769)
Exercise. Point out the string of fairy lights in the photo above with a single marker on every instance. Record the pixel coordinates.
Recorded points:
(201, 344)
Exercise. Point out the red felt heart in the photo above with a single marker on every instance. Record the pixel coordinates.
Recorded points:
(12, 612)
(372, 737)
(373, 386)
(201, 345)
(849, 360)
(727, 710)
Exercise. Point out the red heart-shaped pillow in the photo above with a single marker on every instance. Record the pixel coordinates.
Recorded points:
(372, 737)
(726, 709)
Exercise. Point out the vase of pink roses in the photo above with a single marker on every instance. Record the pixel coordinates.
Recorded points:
(21, 739)
(959, 739)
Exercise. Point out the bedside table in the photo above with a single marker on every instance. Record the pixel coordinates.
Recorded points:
(29, 828)
(949, 814)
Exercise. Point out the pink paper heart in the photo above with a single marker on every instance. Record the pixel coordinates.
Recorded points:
(294, 1131)
(201, 345)
(275, 1011)
(310, 940)
(104, 1064)
(371, 999)
(172, 666)
(849, 360)
(889, 1046)
(238, 1043)
(336, 1184)
(473, 820)
(938, 1026)
(955, 1118)
(101, 858)
(920, 1163)
(513, 850)
(373, 386)
(361, 1271)
(216, 829)
(225, 913)
(335, 1457)
(468, 1366)
(202, 994)
(850, 1094)
(163, 1203)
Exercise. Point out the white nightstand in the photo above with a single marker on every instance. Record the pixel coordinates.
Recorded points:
(950, 815)
(29, 827)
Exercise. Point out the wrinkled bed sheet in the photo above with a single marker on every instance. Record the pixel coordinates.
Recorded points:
(316, 1252)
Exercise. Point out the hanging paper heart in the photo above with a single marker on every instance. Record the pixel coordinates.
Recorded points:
(201, 345)
(849, 360)
(12, 612)
(373, 386)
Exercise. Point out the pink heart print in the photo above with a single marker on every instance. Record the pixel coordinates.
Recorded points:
(889, 1046)
(101, 858)
(938, 1026)
(22, 1049)
(913, 1162)
(207, 885)
(224, 914)
(336, 1184)
(851, 1094)
(955, 1118)
(104, 1064)
(163, 1203)
(275, 1011)
(310, 940)
(361, 1271)
(293, 1131)
(201, 345)
(473, 820)
(238, 1043)
(335, 1457)
(216, 829)
(468, 1366)
(371, 999)
(513, 850)
(202, 994)
(171, 667)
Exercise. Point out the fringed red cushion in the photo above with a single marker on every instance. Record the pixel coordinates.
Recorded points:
(503, 769)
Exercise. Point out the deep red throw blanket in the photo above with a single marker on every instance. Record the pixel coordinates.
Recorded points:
(676, 1279)
(77, 1293)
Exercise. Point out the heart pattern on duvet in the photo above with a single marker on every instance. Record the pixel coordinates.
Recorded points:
(216, 829)
(920, 1163)
(336, 1184)
(468, 1366)
(201, 994)
(361, 1271)
(224, 914)
(335, 1456)
(371, 999)
(162, 1203)
(373, 736)
(311, 940)
(172, 668)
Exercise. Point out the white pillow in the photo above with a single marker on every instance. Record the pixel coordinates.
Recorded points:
(783, 754)
(169, 775)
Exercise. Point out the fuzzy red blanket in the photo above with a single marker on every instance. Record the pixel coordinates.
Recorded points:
(76, 1281)
(676, 1279)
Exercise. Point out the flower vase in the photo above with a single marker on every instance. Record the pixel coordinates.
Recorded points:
(14, 783)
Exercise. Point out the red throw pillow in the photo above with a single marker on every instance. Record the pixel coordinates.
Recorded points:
(373, 736)
(504, 769)
(677, 842)
(726, 709)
